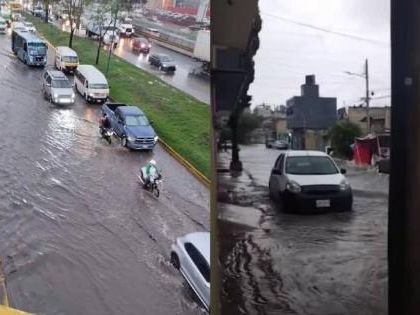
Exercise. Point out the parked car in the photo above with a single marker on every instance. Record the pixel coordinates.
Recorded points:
(304, 180)
(131, 125)
(38, 11)
(57, 88)
(29, 27)
(3, 26)
(383, 165)
(280, 145)
(163, 62)
(16, 17)
(269, 143)
(153, 31)
(141, 45)
(191, 256)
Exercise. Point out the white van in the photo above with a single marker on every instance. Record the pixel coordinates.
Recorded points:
(66, 59)
(91, 83)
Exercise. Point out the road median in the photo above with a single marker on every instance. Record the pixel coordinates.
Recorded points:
(181, 121)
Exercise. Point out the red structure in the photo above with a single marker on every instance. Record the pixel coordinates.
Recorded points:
(364, 149)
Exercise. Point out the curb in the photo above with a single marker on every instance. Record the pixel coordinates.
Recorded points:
(196, 173)
(201, 177)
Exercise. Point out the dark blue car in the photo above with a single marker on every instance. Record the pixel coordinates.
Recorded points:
(131, 125)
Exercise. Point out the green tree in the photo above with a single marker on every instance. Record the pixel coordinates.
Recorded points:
(246, 125)
(342, 135)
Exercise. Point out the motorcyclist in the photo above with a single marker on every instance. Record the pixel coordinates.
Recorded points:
(105, 124)
(150, 172)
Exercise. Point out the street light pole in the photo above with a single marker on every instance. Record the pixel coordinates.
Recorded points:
(367, 99)
(367, 95)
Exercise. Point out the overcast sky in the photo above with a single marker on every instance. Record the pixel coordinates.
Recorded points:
(289, 50)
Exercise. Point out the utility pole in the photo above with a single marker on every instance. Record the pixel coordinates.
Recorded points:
(367, 95)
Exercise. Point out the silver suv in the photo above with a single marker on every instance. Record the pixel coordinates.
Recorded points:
(57, 88)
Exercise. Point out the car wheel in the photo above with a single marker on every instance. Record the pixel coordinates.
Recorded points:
(86, 98)
(50, 99)
(175, 261)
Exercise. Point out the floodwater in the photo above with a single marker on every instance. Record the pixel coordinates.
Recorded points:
(275, 262)
(78, 235)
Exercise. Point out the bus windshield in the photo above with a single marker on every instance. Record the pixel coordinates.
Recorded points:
(37, 48)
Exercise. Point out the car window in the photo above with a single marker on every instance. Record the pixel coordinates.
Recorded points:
(310, 165)
(136, 121)
(198, 260)
(279, 163)
(61, 84)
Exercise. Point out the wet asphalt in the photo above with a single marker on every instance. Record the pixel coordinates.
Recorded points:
(275, 262)
(196, 86)
(78, 235)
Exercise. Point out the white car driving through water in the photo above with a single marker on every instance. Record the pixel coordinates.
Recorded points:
(191, 256)
(307, 180)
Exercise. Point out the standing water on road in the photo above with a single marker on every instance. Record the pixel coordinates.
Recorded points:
(78, 234)
(281, 263)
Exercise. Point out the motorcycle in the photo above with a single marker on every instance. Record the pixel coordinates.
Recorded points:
(153, 185)
(106, 134)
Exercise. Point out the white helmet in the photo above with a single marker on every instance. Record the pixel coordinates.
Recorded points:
(153, 162)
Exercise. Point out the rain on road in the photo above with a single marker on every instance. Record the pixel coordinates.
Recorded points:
(78, 234)
(280, 263)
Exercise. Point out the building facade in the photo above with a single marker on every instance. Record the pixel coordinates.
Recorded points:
(309, 117)
(380, 118)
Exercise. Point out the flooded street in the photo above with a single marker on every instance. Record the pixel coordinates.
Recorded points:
(280, 263)
(182, 79)
(78, 234)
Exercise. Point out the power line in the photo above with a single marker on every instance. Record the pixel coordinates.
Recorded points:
(322, 29)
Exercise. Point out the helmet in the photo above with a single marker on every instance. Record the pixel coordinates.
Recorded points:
(153, 162)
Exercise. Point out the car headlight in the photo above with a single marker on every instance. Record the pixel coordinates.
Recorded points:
(156, 138)
(344, 185)
(293, 187)
(55, 95)
(91, 94)
(131, 139)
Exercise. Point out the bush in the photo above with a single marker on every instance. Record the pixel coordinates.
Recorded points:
(342, 137)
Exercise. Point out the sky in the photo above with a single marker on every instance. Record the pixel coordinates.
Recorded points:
(324, 38)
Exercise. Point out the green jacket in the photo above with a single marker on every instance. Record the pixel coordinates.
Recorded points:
(149, 168)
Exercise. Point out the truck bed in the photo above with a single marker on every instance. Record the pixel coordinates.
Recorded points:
(113, 106)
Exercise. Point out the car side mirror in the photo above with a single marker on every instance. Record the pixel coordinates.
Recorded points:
(276, 171)
(343, 171)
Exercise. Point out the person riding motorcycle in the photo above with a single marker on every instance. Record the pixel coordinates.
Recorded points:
(150, 172)
(105, 124)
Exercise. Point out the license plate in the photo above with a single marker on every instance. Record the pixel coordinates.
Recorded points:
(323, 203)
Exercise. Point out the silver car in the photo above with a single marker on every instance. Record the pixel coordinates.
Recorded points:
(191, 255)
(57, 88)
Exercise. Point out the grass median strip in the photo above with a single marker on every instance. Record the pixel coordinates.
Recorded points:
(179, 119)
